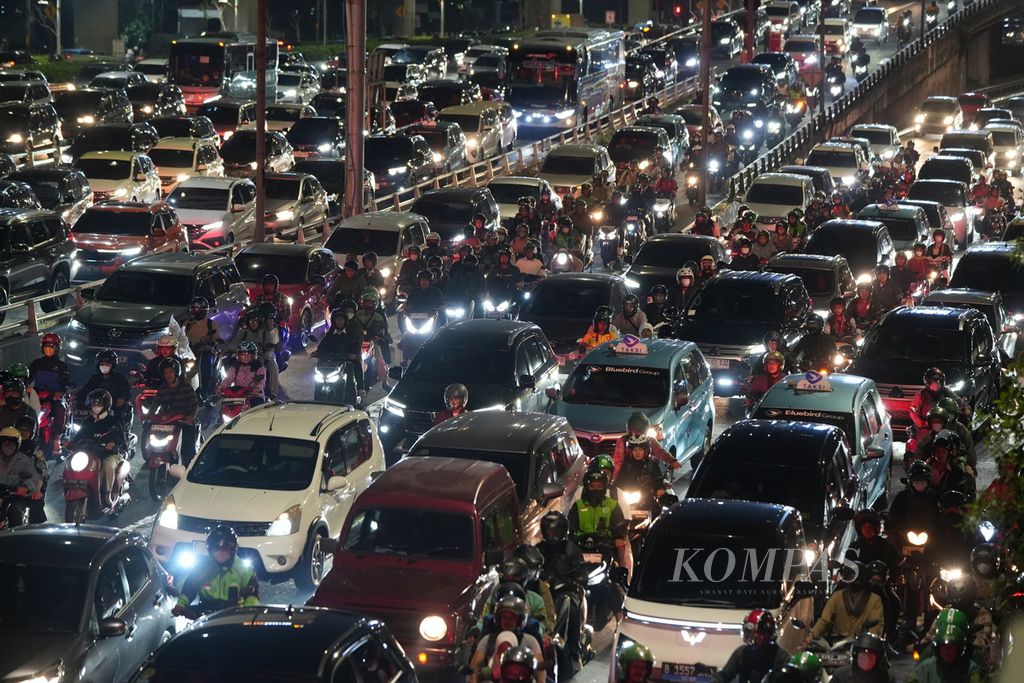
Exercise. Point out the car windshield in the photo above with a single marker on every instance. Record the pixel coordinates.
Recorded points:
(387, 152)
(487, 79)
(442, 363)
(248, 461)
(770, 193)
(1000, 273)
(436, 139)
(1004, 138)
(834, 30)
(172, 158)
(41, 599)
(289, 270)
(975, 156)
(361, 240)
(616, 385)
(691, 116)
(407, 111)
(509, 193)
(903, 229)
(199, 198)
(662, 577)
(776, 62)
(669, 255)
(629, 145)
(919, 344)
(107, 82)
(12, 92)
(282, 188)
(410, 532)
(220, 113)
(329, 105)
(395, 72)
(762, 483)
(77, 102)
(817, 282)
(740, 79)
(939, 169)
(517, 464)
(858, 246)
(441, 96)
(286, 78)
(469, 123)
(173, 128)
(133, 223)
(968, 141)
(947, 194)
(931, 212)
(875, 137)
(144, 93)
(938, 106)
(284, 113)
(438, 210)
(826, 158)
(151, 69)
(720, 29)
(871, 15)
(733, 306)
(146, 287)
(973, 100)
(566, 299)
(313, 131)
(777, 11)
(105, 169)
(560, 164)
(801, 46)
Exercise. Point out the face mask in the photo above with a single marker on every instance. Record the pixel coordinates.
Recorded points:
(595, 497)
(12, 401)
(96, 410)
(105, 369)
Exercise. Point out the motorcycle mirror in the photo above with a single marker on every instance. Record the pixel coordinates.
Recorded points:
(176, 471)
(553, 393)
(552, 491)
(667, 500)
(395, 372)
(873, 453)
(492, 557)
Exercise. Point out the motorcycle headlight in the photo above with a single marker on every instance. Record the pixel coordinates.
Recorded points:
(948, 120)
(502, 307)
(957, 387)
(285, 215)
(455, 312)
(839, 359)
(951, 574)
(489, 305)
(774, 127)
(287, 523)
(79, 461)
(597, 216)
(917, 538)
(644, 164)
(987, 530)
(168, 517)
(437, 157)
(692, 180)
(157, 441)
(433, 628)
(748, 135)
(691, 62)
(713, 166)
(631, 497)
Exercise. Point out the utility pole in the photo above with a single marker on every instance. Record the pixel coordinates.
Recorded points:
(442, 16)
(922, 17)
(323, 18)
(28, 25)
(748, 38)
(261, 117)
(821, 66)
(355, 105)
(705, 89)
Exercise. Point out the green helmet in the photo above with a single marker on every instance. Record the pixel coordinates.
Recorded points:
(603, 462)
(18, 371)
(369, 293)
(939, 413)
(808, 664)
(635, 653)
(951, 626)
(248, 346)
(946, 403)
(750, 216)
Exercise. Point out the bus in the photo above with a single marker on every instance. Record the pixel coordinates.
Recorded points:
(561, 78)
(218, 65)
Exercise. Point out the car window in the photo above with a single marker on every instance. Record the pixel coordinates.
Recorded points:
(561, 456)
(335, 460)
(835, 485)
(692, 371)
(874, 424)
(982, 345)
(217, 284)
(522, 362)
(369, 664)
(40, 234)
(55, 228)
(20, 236)
(325, 263)
(497, 525)
(231, 274)
(136, 570)
(865, 428)
(535, 355)
(110, 597)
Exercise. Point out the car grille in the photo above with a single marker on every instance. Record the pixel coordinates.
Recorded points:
(724, 351)
(167, 179)
(418, 421)
(591, 450)
(100, 196)
(103, 335)
(897, 399)
(199, 525)
(93, 256)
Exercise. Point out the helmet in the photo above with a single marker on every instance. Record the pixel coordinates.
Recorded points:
(877, 568)
(986, 560)
(742, 242)
(11, 433)
(513, 569)
(167, 340)
(638, 441)
(505, 251)
(938, 413)
(685, 271)
(105, 357)
(172, 363)
(775, 356)
(672, 313)
(523, 203)
(595, 496)
(585, 187)
(759, 621)
(749, 217)
(425, 274)
(523, 228)
(796, 213)
(950, 406)
(435, 262)
(815, 323)
(18, 371)
(772, 336)
(433, 238)
(948, 439)
(867, 516)
(638, 423)
(101, 396)
(919, 471)
(470, 260)
(662, 289)
(787, 673)
(603, 462)
(456, 391)
(351, 264)
(346, 305)
(852, 574)
(51, 340)
(643, 178)
(26, 424)
(414, 249)
(271, 279)
(199, 308)
(370, 294)
(951, 627)
(248, 346)
(267, 311)
(564, 221)
(602, 315)
(870, 642)
(636, 652)
(808, 664)
(222, 537)
(479, 217)
(881, 268)
(554, 527)
(632, 300)
(818, 196)
(533, 557)
(934, 375)
(370, 256)
(14, 386)
(709, 258)
(518, 664)
(961, 591)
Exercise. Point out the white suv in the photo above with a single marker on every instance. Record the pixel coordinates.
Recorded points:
(283, 476)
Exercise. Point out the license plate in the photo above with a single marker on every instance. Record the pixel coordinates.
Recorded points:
(640, 514)
(593, 558)
(719, 363)
(76, 484)
(687, 673)
(911, 549)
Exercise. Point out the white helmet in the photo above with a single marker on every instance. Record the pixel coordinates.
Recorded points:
(167, 340)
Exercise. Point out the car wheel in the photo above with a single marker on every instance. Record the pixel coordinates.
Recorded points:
(305, 329)
(310, 570)
(59, 282)
(704, 448)
(3, 302)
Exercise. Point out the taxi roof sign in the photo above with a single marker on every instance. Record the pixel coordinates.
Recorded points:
(814, 381)
(630, 344)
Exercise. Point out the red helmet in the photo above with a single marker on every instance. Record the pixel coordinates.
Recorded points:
(759, 621)
(51, 340)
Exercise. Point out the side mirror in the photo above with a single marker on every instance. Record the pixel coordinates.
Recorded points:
(840, 515)
(395, 372)
(551, 491)
(335, 482)
(176, 471)
(667, 500)
(493, 556)
(554, 393)
(318, 281)
(527, 382)
(112, 628)
(140, 177)
(237, 208)
(873, 453)
(681, 398)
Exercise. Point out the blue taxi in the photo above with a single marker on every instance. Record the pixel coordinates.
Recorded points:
(667, 380)
(849, 402)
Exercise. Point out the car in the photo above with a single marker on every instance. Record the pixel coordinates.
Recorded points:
(508, 190)
(1013, 123)
(215, 211)
(430, 57)
(977, 158)
(647, 146)
(808, 468)
(480, 49)
(908, 225)
(563, 306)
(296, 88)
(228, 116)
(317, 136)
(694, 116)
(17, 195)
(479, 121)
(568, 166)
(668, 602)
(178, 159)
(239, 154)
(278, 640)
(953, 195)
(936, 215)
(305, 273)
(155, 70)
(666, 379)
(445, 93)
(986, 114)
(864, 243)
(86, 107)
(60, 189)
(294, 201)
(133, 308)
(117, 80)
(286, 474)
(329, 104)
(992, 267)
(1008, 146)
(782, 65)
(687, 49)
(151, 100)
(640, 81)
(846, 162)
(1004, 327)
(730, 314)
(871, 23)
(907, 341)
(447, 143)
(820, 177)
(804, 50)
(110, 234)
(540, 452)
(29, 127)
(283, 116)
(784, 16)
(676, 128)
(825, 277)
(938, 114)
(773, 195)
(411, 112)
(665, 62)
(746, 86)
(1014, 103)
(333, 81)
(490, 74)
(662, 255)
(124, 137)
(120, 175)
(442, 514)
(449, 210)
(91, 70)
(947, 167)
(506, 365)
(399, 78)
(884, 139)
(26, 92)
(331, 174)
(91, 603)
(389, 234)
(971, 102)
(8, 75)
(185, 127)
(37, 257)
(837, 36)
(981, 140)
(726, 38)
(398, 163)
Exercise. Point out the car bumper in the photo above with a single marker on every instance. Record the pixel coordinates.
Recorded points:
(81, 357)
(932, 128)
(732, 380)
(268, 555)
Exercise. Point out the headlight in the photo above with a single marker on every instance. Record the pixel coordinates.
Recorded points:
(633, 84)
(597, 215)
(290, 92)
(754, 91)
(87, 120)
(564, 114)
(397, 169)
(433, 628)
(957, 387)
(748, 135)
(631, 497)
(437, 157)
(325, 147)
(329, 378)
(811, 59)
(252, 164)
(774, 127)
(227, 135)
(182, 177)
(119, 192)
(502, 307)
(79, 461)
(385, 272)
(691, 62)
(950, 574)
(147, 109)
(849, 179)
(411, 327)
(160, 441)
(713, 166)
(472, 143)
(948, 120)
(724, 41)
(1010, 154)
(54, 674)
(455, 312)
(287, 523)
(394, 407)
(75, 325)
(285, 215)
(488, 305)
(987, 530)
(917, 538)
(644, 164)
(15, 138)
(838, 359)
(168, 517)
(958, 216)
(758, 123)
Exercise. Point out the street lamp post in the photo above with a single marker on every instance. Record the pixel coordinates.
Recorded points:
(442, 18)
(261, 118)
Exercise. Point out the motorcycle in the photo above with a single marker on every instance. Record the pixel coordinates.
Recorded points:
(9, 497)
(48, 437)
(836, 85)
(664, 212)
(714, 174)
(283, 350)
(612, 249)
(903, 32)
(234, 401)
(208, 356)
(562, 262)
(642, 504)
(161, 448)
(692, 185)
(568, 597)
(931, 20)
(371, 371)
(746, 151)
(844, 355)
(774, 132)
(860, 66)
(146, 389)
(606, 581)
(916, 574)
(795, 110)
(333, 382)
(417, 327)
(83, 489)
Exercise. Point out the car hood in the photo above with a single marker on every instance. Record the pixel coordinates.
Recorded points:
(559, 331)
(899, 371)
(508, 211)
(770, 210)
(274, 205)
(558, 180)
(108, 185)
(429, 396)
(239, 504)
(126, 315)
(201, 216)
(730, 334)
(26, 655)
(412, 585)
(109, 242)
(602, 419)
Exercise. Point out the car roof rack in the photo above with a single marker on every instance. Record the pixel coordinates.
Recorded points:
(262, 406)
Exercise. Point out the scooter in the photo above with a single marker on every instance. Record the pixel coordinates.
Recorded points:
(147, 389)
(9, 497)
(283, 350)
(208, 356)
(234, 401)
(774, 132)
(333, 382)
(746, 151)
(83, 489)
(48, 437)
(692, 185)
(606, 581)
(664, 213)
(417, 327)
(161, 448)
(931, 20)
(795, 110)
(836, 85)
(611, 247)
(903, 32)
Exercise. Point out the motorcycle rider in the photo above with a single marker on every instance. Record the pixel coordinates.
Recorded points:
(411, 267)
(566, 572)
(14, 406)
(870, 545)
(773, 371)
(834, 71)
(220, 579)
(521, 239)
(841, 328)
(763, 248)
(373, 277)
(348, 285)
(628, 177)
(934, 390)
(28, 430)
(863, 311)
(630, 319)
(850, 607)
(919, 263)
(425, 298)
(509, 632)
(946, 473)
(817, 212)
(203, 335)
(434, 247)
(600, 330)
(840, 208)
(501, 278)
(595, 512)
(885, 293)
(666, 185)
(685, 290)
(704, 224)
(641, 196)
(166, 347)
(456, 400)
(938, 251)
(638, 428)
(547, 208)
(782, 240)
(111, 381)
(635, 664)
(932, 12)
(943, 416)
(372, 326)
(107, 432)
(518, 665)
(341, 343)
(245, 370)
(467, 285)
(176, 399)
(50, 375)
(951, 662)
(745, 227)
(566, 235)
(869, 663)
(916, 507)
(708, 269)
(759, 654)
(18, 472)
(902, 274)
(657, 299)
(20, 371)
(270, 292)
(816, 348)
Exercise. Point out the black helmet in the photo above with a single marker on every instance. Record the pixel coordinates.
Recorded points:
(961, 591)
(919, 471)
(347, 305)
(425, 274)
(479, 217)
(338, 313)
(772, 336)
(470, 260)
(514, 570)
(267, 310)
(26, 424)
(222, 537)
(199, 308)
(631, 299)
(529, 554)
(836, 301)
(351, 264)
(173, 363)
(986, 560)
(554, 527)
(414, 249)
(271, 279)
(934, 375)
(101, 396)
(370, 256)
(505, 251)
(947, 439)
(456, 391)
(435, 262)
(742, 242)
(106, 357)
(564, 221)
(672, 313)
(787, 673)
(602, 315)
(659, 289)
(595, 496)
(870, 642)
(518, 664)
(867, 516)
(508, 588)
(877, 568)
(881, 268)
(815, 323)
(512, 604)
